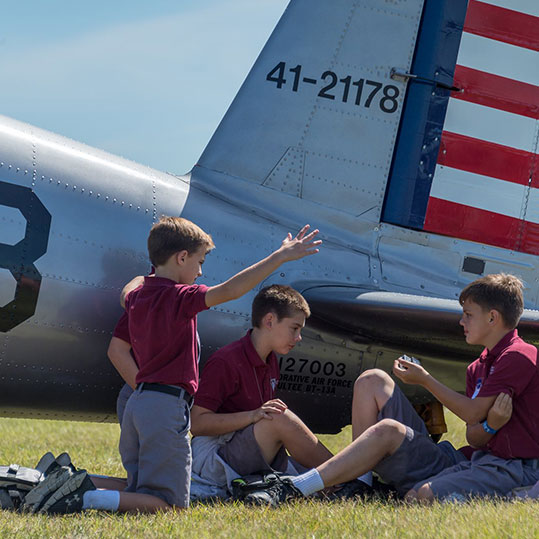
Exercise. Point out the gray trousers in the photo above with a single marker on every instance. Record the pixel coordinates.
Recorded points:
(483, 475)
(155, 446)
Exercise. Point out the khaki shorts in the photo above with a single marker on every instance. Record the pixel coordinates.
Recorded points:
(243, 454)
(418, 457)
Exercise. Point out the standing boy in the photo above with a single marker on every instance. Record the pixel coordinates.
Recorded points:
(154, 441)
(501, 410)
(239, 427)
(121, 356)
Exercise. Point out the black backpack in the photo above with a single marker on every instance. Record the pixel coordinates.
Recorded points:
(16, 481)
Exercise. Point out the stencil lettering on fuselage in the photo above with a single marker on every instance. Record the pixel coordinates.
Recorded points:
(313, 376)
(19, 258)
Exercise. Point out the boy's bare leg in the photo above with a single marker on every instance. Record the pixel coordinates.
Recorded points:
(364, 453)
(133, 502)
(288, 430)
(371, 392)
(108, 483)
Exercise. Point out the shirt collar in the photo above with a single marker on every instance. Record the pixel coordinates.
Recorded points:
(251, 353)
(159, 281)
(503, 343)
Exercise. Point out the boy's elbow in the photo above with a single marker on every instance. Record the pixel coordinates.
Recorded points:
(195, 432)
(473, 441)
(474, 416)
(197, 429)
(196, 425)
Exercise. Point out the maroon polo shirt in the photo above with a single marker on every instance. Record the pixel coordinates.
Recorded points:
(163, 330)
(121, 331)
(235, 379)
(510, 367)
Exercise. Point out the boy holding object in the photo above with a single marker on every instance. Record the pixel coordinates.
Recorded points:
(501, 409)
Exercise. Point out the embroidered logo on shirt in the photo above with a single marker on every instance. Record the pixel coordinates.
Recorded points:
(273, 383)
(477, 387)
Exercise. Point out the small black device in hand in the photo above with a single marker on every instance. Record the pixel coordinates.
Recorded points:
(404, 357)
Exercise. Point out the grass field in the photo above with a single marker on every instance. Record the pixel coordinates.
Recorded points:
(94, 446)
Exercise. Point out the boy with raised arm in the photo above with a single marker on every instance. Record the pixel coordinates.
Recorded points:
(239, 427)
(500, 408)
(162, 321)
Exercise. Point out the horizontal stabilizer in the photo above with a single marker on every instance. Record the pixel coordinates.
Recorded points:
(413, 322)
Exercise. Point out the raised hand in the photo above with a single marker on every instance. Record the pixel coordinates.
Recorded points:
(409, 373)
(500, 412)
(304, 244)
(274, 406)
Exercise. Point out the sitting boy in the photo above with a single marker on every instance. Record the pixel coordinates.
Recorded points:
(501, 409)
(154, 442)
(239, 427)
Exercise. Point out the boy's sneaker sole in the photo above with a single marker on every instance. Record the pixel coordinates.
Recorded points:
(69, 497)
(35, 498)
(281, 491)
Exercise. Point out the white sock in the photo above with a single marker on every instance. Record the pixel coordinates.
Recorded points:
(309, 482)
(106, 500)
(366, 478)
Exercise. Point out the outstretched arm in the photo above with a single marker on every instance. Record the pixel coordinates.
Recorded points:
(291, 249)
(204, 422)
(499, 414)
(469, 410)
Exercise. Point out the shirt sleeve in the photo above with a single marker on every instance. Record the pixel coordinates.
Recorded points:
(510, 374)
(191, 300)
(217, 383)
(471, 378)
(121, 331)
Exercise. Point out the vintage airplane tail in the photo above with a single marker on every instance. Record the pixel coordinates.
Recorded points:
(318, 115)
(418, 114)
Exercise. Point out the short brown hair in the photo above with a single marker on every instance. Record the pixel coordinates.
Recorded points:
(280, 299)
(499, 291)
(170, 235)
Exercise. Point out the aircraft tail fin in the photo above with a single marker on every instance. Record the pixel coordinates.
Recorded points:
(318, 114)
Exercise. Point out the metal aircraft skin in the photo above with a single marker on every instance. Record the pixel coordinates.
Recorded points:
(406, 131)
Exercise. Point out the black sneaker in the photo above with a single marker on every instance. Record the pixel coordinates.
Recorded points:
(350, 490)
(385, 492)
(37, 496)
(69, 497)
(280, 491)
(48, 463)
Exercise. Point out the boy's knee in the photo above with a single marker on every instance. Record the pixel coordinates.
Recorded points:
(287, 420)
(371, 379)
(281, 422)
(390, 432)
